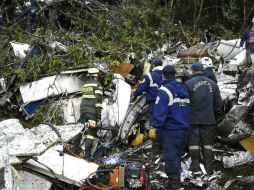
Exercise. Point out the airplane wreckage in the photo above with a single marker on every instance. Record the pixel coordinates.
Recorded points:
(41, 157)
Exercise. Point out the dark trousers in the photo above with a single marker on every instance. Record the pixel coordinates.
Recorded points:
(150, 109)
(157, 143)
(174, 143)
(202, 140)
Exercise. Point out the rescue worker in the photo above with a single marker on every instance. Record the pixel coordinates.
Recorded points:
(248, 39)
(171, 118)
(206, 104)
(208, 68)
(150, 86)
(90, 108)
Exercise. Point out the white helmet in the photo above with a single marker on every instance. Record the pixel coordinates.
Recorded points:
(93, 72)
(206, 62)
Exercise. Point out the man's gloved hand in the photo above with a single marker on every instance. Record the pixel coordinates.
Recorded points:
(92, 123)
(138, 140)
(152, 133)
(241, 48)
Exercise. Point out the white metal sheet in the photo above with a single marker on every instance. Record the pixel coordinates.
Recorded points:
(114, 112)
(65, 167)
(50, 86)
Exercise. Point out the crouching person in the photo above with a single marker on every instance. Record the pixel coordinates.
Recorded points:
(171, 117)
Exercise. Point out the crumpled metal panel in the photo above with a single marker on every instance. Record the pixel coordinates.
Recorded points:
(237, 159)
(8, 180)
(115, 109)
(71, 109)
(214, 186)
(131, 116)
(243, 128)
(246, 94)
(27, 142)
(226, 127)
(225, 49)
(50, 86)
(65, 167)
(29, 181)
(226, 83)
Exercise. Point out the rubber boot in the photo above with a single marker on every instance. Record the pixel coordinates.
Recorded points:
(208, 160)
(173, 184)
(88, 148)
(194, 167)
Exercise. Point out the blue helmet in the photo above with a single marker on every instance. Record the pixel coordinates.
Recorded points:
(168, 69)
(157, 62)
(197, 67)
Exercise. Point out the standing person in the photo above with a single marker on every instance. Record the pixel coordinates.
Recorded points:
(205, 36)
(171, 118)
(150, 86)
(206, 106)
(90, 108)
(208, 68)
(248, 38)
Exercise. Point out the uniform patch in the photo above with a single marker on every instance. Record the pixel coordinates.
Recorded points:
(203, 83)
(157, 100)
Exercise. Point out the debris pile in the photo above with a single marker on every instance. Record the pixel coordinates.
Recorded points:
(43, 157)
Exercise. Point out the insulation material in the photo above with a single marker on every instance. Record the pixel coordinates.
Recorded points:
(50, 86)
(66, 168)
(26, 142)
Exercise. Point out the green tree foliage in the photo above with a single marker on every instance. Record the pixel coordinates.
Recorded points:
(106, 31)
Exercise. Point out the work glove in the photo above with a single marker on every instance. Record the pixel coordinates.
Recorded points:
(92, 123)
(138, 140)
(241, 48)
(152, 133)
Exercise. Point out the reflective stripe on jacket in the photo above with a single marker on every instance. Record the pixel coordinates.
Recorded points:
(205, 100)
(91, 103)
(172, 106)
(150, 85)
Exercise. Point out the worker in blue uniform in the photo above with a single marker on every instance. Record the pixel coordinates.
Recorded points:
(149, 86)
(206, 104)
(171, 117)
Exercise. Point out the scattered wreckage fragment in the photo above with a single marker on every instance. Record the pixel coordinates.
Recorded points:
(29, 181)
(64, 167)
(22, 143)
(237, 159)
